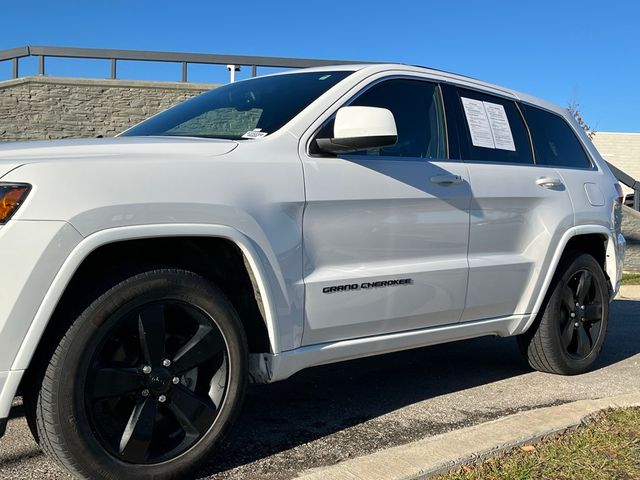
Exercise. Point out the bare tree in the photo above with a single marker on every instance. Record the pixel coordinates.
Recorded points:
(574, 110)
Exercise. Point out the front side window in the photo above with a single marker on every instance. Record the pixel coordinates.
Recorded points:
(493, 129)
(417, 109)
(554, 142)
(247, 109)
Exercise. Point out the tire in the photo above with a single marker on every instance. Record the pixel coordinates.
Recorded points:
(566, 339)
(146, 381)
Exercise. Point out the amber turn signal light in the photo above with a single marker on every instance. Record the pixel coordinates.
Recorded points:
(11, 196)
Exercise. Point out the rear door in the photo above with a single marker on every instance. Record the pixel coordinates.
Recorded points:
(385, 231)
(519, 210)
(557, 146)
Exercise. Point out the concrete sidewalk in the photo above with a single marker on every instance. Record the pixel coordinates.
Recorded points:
(441, 453)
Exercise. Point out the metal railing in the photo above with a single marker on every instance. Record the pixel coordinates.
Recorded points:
(630, 182)
(232, 62)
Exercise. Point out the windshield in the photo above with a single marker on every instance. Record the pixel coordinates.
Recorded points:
(248, 109)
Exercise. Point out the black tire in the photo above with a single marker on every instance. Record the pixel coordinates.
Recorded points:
(566, 339)
(179, 326)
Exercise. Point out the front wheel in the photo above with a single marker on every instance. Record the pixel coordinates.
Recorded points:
(569, 332)
(146, 380)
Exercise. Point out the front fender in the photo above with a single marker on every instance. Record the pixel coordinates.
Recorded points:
(262, 273)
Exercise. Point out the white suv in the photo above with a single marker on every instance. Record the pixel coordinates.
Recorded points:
(283, 222)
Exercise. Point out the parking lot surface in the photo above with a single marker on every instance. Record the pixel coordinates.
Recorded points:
(331, 413)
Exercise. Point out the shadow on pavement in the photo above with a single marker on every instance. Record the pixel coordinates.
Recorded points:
(323, 400)
(623, 334)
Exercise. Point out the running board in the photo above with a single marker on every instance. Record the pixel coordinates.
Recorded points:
(269, 367)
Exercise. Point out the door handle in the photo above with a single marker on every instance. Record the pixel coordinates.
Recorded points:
(549, 182)
(446, 179)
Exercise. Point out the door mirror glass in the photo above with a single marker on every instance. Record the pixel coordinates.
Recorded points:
(360, 128)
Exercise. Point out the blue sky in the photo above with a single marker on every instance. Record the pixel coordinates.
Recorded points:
(558, 50)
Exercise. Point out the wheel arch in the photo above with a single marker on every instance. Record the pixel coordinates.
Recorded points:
(112, 239)
(595, 240)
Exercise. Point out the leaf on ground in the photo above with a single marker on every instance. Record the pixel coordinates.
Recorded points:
(467, 469)
(528, 448)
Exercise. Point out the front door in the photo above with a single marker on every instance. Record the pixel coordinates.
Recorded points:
(385, 231)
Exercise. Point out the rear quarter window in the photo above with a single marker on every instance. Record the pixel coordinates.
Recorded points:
(554, 142)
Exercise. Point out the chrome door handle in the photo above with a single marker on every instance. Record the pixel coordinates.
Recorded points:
(446, 179)
(549, 182)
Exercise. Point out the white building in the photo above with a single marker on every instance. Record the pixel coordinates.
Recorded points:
(621, 150)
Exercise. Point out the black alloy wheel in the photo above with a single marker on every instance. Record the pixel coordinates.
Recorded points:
(581, 313)
(568, 333)
(157, 382)
(146, 381)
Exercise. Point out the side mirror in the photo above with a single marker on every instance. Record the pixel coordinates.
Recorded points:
(360, 128)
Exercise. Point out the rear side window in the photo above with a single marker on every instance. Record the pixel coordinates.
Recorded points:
(554, 142)
(417, 108)
(491, 129)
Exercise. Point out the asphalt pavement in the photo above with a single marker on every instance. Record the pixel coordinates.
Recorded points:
(335, 412)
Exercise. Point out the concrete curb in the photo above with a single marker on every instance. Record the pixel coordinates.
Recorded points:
(442, 453)
(629, 292)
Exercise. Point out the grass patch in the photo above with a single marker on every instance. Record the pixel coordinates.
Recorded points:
(607, 448)
(630, 279)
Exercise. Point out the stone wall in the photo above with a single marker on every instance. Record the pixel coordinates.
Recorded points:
(631, 232)
(36, 108)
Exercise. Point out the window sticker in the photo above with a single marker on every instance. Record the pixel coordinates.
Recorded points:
(488, 124)
(500, 128)
(255, 133)
(478, 122)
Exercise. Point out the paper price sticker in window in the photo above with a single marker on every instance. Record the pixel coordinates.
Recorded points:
(255, 133)
(488, 124)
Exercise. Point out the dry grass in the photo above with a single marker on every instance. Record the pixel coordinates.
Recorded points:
(607, 448)
(630, 279)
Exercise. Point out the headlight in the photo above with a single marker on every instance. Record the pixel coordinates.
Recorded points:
(11, 197)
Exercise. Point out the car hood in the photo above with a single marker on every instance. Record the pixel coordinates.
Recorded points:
(14, 154)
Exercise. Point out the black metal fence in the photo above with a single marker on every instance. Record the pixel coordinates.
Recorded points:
(14, 55)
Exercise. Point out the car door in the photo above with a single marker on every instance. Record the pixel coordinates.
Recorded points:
(519, 210)
(557, 146)
(385, 231)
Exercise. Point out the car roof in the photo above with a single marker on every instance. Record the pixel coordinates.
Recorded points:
(436, 73)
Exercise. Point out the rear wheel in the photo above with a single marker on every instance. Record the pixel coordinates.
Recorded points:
(146, 380)
(568, 335)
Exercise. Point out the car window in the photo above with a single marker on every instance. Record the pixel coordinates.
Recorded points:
(243, 110)
(554, 141)
(492, 129)
(418, 112)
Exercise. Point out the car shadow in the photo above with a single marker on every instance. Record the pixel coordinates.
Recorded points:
(623, 333)
(324, 400)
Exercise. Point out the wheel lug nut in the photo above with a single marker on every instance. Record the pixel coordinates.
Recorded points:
(573, 315)
(166, 362)
(582, 307)
(146, 369)
(162, 398)
(576, 324)
(175, 380)
(145, 393)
